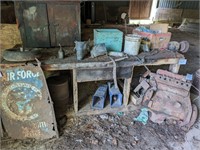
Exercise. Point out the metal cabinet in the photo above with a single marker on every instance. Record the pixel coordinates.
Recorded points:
(46, 24)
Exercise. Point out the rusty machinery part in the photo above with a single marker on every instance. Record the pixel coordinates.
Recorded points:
(59, 90)
(192, 119)
(26, 106)
(168, 97)
(173, 46)
(184, 46)
(15, 55)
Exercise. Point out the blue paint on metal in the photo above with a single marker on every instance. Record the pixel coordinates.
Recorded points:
(24, 95)
(114, 95)
(98, 99)
(111, 37)
(29, 79)
(143, 116)
(22, 105)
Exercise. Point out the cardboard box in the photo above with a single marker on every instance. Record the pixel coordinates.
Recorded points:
(158, 41)
(161, 27)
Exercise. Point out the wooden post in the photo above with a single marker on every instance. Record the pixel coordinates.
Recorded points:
(75, 91)
(174, 68)
(126, 90)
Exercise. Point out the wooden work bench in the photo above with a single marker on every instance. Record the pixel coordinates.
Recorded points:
(101, 68)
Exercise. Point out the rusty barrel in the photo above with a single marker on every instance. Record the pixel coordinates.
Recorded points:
(59, 91)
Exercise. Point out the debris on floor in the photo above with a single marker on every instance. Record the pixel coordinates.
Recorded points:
(143, 116)
(111, 132)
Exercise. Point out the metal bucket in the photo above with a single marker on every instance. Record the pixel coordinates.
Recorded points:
(132, 44)
(80, 48)
(59, 91)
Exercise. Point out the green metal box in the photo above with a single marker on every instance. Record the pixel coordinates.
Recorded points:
(111, 37)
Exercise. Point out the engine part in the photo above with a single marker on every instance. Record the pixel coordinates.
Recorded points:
(168, 97)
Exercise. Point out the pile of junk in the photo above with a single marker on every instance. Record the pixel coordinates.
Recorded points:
(166, 96)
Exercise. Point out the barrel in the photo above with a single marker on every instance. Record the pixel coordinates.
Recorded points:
(132, 44)
(59, 91)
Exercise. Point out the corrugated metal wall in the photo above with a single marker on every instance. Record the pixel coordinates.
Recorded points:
(177, 4)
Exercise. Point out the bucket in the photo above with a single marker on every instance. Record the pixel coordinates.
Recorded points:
(132, 44)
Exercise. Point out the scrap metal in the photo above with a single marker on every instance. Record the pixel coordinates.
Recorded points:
(167, 96)
(26, 106)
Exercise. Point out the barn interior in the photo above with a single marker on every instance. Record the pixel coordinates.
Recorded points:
(81, 74)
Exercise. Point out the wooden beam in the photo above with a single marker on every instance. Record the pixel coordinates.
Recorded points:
(126, 89)
(174, 68)
(75, 91)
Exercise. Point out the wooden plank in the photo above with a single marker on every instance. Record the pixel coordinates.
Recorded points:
(169, 14)
(126, 89)
(190, 13)
(134, 10)
(162, 62)
(174, 68)
(75, 91)
(84, 75)
(1, 128)
(145, 9)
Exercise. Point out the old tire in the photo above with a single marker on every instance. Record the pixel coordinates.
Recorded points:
(15, 55)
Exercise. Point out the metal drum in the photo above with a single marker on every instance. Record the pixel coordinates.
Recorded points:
(59, 91)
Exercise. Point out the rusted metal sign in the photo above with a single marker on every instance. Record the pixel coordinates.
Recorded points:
(26, 106)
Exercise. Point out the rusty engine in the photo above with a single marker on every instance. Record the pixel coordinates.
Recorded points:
(167, 97)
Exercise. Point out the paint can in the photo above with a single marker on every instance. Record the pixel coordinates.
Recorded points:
(132, 44)
(81, 48)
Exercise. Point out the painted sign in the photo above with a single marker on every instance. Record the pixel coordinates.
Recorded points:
(26, 106)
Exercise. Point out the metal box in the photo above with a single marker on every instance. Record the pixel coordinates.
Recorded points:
(111, 37)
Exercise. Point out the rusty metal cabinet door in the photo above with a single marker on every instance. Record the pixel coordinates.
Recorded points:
(64, 19)
(33, 23)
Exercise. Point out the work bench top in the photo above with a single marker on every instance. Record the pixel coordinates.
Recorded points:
(50, 62)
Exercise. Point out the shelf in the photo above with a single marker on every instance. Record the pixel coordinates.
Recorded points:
(86, 109)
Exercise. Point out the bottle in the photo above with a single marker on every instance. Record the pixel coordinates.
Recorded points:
(60, 53)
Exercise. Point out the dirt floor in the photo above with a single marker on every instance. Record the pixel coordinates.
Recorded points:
(120, 131)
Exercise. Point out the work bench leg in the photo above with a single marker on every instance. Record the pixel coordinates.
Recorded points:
(126, 90)
(174, 68)
(75, 91)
